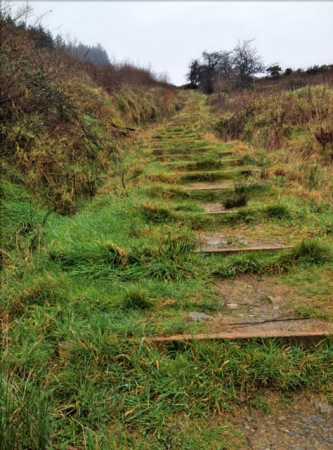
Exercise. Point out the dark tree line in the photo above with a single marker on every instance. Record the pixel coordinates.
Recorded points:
(275, 71)
(91, 54)
(43, 38)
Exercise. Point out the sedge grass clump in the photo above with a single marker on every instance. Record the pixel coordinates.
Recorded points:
(279, 212)
(236, 199)
(172, 259)
(20, 215)
(25, 419)
(308, 253)
(240, 196)
(157, 214)
(105, 253)
(135, 297)
(177, 243)
(167, 192)
(209, 176)
(116, 255)
(240, 265)
(44, 289)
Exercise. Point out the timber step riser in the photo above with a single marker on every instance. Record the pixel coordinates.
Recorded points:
(275, 329)
(232, 251)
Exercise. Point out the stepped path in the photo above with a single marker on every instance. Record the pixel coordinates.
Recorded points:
(238, 213)
(261, 254)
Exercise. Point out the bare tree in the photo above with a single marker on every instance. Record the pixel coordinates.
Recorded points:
(223, 70)
(246, 62)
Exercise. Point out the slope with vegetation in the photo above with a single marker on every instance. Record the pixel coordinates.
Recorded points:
(104, 225)
(59, 128)
(293, 129)
(124, 267)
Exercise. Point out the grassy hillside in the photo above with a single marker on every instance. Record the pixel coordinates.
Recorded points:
(80, 292)
(104, 224)
(293, 129)
(59, 130)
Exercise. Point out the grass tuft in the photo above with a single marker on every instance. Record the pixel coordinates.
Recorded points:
(25, 421)
(136, 297)
(235, 200)
(309, 252)
(157, 214)
(306, 253)
(277, 212)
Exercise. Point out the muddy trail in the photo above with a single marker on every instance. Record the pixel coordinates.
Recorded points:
(237, 212)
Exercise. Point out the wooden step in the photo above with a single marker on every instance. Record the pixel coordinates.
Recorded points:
(205, 186)
(286, 328)
(223, 172)
(252, 249)
(220, 213)
(234, 162)
(218, 208)
(189, 153)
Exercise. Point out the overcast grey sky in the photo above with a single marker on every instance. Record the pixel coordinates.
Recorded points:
(167, 35)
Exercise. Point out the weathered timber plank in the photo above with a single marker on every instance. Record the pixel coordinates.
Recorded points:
(265, 248)
(303, 328)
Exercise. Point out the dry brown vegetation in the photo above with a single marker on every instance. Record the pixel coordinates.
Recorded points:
(62, 121)
(293, 129)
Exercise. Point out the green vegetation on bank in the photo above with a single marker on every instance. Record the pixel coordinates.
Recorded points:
(79, 293)
(98, 250)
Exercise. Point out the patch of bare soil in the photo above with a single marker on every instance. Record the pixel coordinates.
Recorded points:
(216, 208)
(255, 298)
(218, 240)
(202, 186)
(305, 423)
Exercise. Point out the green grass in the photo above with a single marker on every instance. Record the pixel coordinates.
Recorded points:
(215, 175)
(80, 292)
(205, 163)
(307, 253)
(144, 390)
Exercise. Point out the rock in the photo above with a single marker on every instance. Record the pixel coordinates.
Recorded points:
(267, 299)
(324, 408)
(199, 316)
(232, 305)
(316, 419)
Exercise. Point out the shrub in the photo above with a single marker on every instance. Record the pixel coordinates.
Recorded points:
(157, 214)
(236, 199)
(277, 212)
(57, 126)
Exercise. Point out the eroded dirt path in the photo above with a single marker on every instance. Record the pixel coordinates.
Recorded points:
(300, 423)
